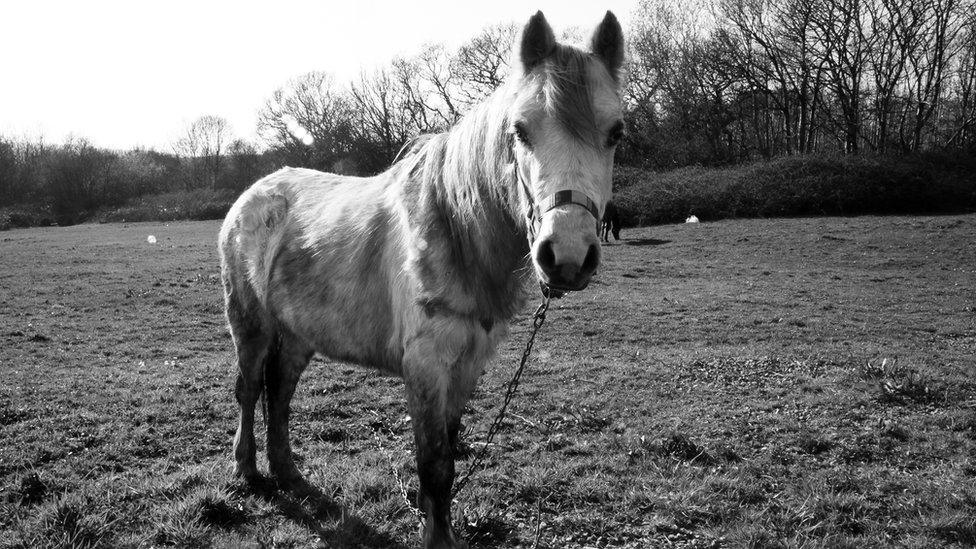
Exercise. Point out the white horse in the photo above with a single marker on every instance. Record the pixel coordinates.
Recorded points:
(417, 270)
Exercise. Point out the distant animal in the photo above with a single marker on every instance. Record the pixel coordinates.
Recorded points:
(611, 222)
(417, 271)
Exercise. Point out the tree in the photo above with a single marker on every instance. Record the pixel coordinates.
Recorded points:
(384, 121)
(894, 27)
(772, 43)
(928, 64)
(74, 177)
(202, 146)
(482, 63)
(8, 171)
(244, 164)
(964, 124)
(309, 122)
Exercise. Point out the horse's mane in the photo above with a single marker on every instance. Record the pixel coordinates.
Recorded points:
(471, 165)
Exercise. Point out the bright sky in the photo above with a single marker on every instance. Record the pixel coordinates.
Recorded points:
(134, 73)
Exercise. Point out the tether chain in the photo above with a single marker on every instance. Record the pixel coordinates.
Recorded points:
(537, 320)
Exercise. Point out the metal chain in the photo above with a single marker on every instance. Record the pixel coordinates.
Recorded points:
(537, 321)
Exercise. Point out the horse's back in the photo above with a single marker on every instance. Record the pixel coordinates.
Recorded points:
(311, 246)
(254, 224)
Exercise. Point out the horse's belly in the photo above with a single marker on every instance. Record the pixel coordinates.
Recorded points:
(335, 294)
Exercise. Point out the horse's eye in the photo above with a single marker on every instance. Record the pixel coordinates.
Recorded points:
(615, 135)
(521, 134)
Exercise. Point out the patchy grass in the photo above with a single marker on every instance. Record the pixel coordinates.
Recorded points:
(788, 383)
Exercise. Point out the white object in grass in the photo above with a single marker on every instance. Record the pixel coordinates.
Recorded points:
(692, 219)
(151, 239)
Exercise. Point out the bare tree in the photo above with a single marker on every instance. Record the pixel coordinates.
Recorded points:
(483, 62)
(964, 125)
(383, 115)
(440, 84)
(202, 145)
(309, 122)
(774, 52)
(927, 64)
(841, 27)
(244, 163)
(8, 171)
(893, 26)
(680, 83)
(420, 108)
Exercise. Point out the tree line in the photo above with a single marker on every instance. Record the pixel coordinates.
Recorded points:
(715, 82)
(735, 80)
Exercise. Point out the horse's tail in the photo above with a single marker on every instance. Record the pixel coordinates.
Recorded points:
(272, 372)
(260, 223)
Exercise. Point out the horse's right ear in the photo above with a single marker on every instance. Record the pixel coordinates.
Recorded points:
(537, 43)
(608, 43)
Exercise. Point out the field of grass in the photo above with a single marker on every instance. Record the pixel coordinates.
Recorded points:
(751, 383)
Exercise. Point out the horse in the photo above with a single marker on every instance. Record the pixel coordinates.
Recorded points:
(417, 271)
(611, 222)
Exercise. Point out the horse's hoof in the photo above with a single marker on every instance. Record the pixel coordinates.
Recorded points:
(248, 473)
(453, 545)
(288, 477)
(446, 542)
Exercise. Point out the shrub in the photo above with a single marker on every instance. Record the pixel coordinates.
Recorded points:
(800, 186)
(200, 204)
(25, 215)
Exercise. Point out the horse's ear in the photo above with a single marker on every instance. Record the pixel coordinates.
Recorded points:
(608, 43)
(537, 43)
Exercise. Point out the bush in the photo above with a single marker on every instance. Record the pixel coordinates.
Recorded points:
(200, 204)
(25, 215)
(800, 186)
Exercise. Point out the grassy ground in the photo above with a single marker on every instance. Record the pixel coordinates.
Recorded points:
(763, 383)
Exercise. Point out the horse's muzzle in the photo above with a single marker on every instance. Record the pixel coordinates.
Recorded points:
(566, 273)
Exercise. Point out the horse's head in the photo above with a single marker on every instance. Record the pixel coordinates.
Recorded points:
(566, 122)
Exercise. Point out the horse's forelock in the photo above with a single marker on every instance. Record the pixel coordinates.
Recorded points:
(567, 93)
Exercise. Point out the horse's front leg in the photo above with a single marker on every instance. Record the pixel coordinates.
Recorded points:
(440, 375)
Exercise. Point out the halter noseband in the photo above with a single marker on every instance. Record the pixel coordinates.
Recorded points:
(558, 198)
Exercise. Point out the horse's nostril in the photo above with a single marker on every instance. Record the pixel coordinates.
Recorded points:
(546, 256)
(592, 260)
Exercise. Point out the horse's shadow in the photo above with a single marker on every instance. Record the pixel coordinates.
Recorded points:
(307, 505)
(646, 242)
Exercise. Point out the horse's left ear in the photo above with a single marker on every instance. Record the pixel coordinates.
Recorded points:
(538, 42)
(608, 43)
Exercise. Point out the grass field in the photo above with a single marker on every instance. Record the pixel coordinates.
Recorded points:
(760, 383)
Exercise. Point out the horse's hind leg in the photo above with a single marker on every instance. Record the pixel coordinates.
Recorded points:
(283, 370)
(252, 340)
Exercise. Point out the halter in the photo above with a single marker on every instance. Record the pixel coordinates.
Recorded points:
(536, 211)
(558, 198)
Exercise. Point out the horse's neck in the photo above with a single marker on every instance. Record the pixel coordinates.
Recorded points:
(484, 209)
(478, 156)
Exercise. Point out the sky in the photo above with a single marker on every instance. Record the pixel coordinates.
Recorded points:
(133, 73)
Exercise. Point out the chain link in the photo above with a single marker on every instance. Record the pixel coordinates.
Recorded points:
(538, 319)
